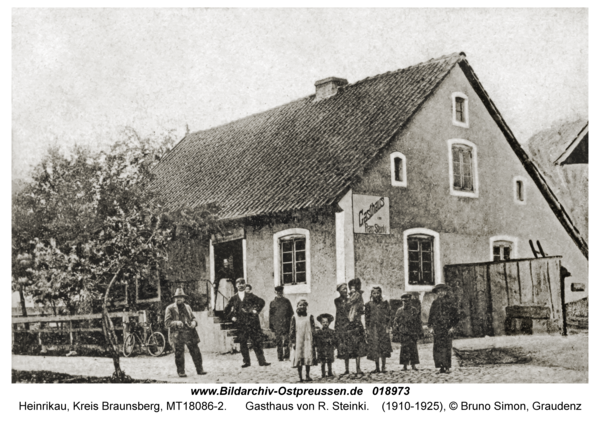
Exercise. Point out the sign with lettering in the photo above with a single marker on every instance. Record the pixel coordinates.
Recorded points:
(229, 235)
(371, 214)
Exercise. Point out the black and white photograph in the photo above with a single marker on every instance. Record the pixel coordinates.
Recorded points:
(299, 196)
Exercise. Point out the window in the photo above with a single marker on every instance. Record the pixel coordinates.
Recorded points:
(460, 110)
(398, 169)
(420, 260)
(463, 168)
(422, 268)
(520, 195)
(502, 250)
(291, 260)
(503, 247)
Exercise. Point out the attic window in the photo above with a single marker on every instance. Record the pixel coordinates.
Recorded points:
(520, 193)
(398, 169)
(460, 109)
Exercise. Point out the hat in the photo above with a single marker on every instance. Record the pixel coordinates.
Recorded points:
(339, 286)
(440, 287)
(354, 283)
(179, 293)
(279, 288)
(415, 294)
(240, 281)
(325, 316)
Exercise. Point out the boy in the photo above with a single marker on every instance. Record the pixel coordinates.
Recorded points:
(377, 320)
(325, 342)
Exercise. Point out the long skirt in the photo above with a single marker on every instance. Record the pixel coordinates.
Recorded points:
(351, 341)
(409, 352)
(442, 349)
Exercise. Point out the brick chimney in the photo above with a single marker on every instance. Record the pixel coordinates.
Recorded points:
(328, 87)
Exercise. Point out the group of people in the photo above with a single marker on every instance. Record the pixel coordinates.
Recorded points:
(305, 345)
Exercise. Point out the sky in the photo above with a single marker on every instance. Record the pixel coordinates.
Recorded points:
(84, 75)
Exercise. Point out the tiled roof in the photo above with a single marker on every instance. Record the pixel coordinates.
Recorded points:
(300, 155)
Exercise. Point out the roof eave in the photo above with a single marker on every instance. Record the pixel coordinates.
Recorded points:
(559, 211)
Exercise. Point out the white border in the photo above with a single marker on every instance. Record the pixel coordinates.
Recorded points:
(475, 171)
(513, 240)
(291, 289)
(404, 181)
(515, 197)
(436, 259)
(455, 122)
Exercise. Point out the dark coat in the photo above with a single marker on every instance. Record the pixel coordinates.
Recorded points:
(443, 314)
(407, 321)
(280, 315)
(350, 335)
(325, 342)
(180, 334)
(442, 317)
(378, 317)
(246, 312)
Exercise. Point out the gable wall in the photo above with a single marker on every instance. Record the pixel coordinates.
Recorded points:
(465, 225)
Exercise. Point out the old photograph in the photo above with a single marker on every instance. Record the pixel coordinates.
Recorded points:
(280, 196)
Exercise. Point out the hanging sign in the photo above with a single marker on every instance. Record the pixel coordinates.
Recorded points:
(371, 214)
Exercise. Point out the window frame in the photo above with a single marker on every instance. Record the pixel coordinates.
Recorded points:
(465, 98)
(395, 183)
(508, 239)
(277, 260)
(474, 168)
(515, 181)
(437, 267)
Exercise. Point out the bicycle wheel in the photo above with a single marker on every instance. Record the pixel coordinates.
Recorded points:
(128, 345)
(156, 344)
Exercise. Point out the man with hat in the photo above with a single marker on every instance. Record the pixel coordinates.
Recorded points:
(180, 321)
(243, 310)
(280, 317)
(443, 318)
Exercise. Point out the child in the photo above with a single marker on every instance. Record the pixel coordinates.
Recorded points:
(407, 324)
(325, 342)
(377, 319)
(355, 300)
(301, 336)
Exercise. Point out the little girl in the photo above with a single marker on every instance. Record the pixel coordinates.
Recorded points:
(301, 336)
(325, 342)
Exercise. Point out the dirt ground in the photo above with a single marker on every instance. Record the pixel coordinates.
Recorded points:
(549, 359)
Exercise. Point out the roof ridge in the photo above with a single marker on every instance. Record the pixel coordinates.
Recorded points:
(430, 61)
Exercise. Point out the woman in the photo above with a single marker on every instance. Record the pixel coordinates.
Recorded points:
(407, 323)
(378, 316)
(350, 334)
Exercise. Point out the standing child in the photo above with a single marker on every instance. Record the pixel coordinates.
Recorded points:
(378, 322)
(325, 342)
(407, 323)
(301, 335)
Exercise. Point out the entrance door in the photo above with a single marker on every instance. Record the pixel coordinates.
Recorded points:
(228, 264)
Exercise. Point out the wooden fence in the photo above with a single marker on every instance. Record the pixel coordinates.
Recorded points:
(484, 290)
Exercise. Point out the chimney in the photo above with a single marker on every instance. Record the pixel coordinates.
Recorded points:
(328, 87)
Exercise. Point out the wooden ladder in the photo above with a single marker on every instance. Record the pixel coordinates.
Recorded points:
(539, 252)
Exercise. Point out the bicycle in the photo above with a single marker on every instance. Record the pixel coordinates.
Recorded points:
(154, 343)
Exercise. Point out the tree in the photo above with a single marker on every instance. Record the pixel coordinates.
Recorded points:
(97, 220)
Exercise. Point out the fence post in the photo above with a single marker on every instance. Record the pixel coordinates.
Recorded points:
(71, 334)
(564, 273)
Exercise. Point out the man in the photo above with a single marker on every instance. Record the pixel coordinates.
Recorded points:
(443, 318)
(180, 319)
(280, 317)
(243, 310)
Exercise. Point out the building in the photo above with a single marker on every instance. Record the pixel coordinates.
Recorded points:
(388, 179)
